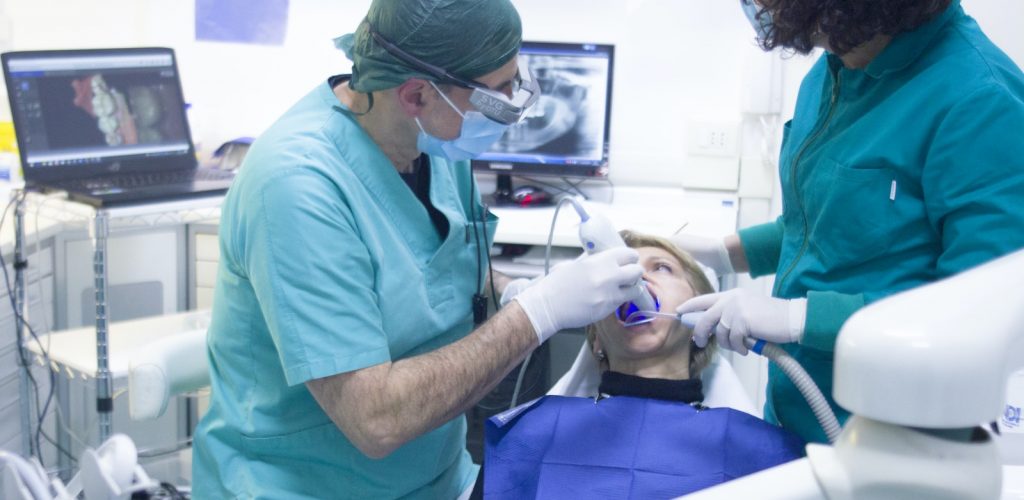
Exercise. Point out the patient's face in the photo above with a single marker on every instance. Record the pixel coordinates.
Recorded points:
(663, 337)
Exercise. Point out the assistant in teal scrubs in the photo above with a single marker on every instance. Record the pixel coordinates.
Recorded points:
(903, 164)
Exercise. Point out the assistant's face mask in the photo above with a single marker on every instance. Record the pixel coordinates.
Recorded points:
(478, 134)
(761, 26)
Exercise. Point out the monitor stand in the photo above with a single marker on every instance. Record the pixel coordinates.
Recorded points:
(502, 195)
(523, 196)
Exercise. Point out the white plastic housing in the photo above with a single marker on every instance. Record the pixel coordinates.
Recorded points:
(597, 234)
(937, 356)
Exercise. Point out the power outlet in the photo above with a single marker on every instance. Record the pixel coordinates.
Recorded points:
(714, 139)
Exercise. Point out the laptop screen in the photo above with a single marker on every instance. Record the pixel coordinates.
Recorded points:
(96, 110)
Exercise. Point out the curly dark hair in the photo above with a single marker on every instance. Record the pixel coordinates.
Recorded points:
(845, 24)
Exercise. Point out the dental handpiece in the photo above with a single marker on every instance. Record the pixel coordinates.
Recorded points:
(597, 235)
(688, 320)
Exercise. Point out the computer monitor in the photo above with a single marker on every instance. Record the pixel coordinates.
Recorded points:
(97, 111)
(566, 133)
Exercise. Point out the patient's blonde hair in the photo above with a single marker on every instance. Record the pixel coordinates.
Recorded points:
(700, 357)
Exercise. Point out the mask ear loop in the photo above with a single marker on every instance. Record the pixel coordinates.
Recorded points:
(447, 100)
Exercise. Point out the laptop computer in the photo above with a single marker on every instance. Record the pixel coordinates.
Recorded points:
(108, 126)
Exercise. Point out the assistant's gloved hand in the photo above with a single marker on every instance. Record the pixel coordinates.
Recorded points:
(708, 251)
(580, 292)
(740, 313)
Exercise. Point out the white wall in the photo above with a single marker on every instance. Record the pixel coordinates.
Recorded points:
(235, 89)
(678, 61)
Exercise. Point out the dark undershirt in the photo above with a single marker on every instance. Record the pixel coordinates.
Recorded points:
(419, 182)
(620, 384)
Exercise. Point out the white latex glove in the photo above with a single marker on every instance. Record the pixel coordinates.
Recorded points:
(581, 292)
(515, 287)
(708, 251)
(733, 315)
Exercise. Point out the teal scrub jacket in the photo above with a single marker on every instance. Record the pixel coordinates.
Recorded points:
(330, 264)
(893, 176)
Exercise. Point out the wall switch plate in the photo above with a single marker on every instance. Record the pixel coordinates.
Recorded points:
(714, 139)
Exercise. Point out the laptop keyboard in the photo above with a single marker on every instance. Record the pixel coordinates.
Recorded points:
(145, 179)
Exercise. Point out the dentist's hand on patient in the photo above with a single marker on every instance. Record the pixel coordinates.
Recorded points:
(580, 292)
(736, 314)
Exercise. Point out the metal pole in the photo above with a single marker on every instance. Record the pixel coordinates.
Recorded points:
(104, 382)
(19, 324)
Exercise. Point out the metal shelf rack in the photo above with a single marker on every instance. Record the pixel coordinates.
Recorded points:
(101, 223)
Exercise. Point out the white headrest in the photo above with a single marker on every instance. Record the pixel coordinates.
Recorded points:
(169, 366)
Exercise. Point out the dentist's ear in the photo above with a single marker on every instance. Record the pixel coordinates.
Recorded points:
(413, 95)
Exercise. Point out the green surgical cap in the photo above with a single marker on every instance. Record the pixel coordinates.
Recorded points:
(469, 38)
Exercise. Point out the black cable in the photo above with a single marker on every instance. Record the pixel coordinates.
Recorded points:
(576, 186)
(33, 444)
(40, 413)
(476, 234)
(60, 449)
(160, 452)
(479, 302)
(172, 492)
(490, 267)
(547, 184)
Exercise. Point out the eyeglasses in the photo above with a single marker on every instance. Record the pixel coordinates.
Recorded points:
(491, 103)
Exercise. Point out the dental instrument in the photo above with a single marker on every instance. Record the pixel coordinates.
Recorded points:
(640, 317)
(597, 235)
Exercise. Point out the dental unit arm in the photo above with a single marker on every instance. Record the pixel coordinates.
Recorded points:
(919, 371)
(597, 235)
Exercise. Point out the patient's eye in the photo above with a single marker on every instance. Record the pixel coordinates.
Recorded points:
(663, 267)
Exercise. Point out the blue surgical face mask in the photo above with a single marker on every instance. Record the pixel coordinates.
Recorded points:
(478, 134)
(761, 26)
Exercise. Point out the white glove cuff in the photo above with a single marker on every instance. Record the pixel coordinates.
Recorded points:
(539, 319)
(797, 318)
(513, 288)
(724, 261)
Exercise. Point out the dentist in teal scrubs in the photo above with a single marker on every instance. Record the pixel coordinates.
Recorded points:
(903, 164)
(343, 351)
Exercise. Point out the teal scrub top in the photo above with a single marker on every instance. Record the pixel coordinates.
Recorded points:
(329, 264)
(893, 176)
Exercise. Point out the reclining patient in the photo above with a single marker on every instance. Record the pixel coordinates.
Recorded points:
(645, 434)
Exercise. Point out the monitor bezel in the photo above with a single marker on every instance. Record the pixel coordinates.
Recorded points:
(112, 164)
(518, 168)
